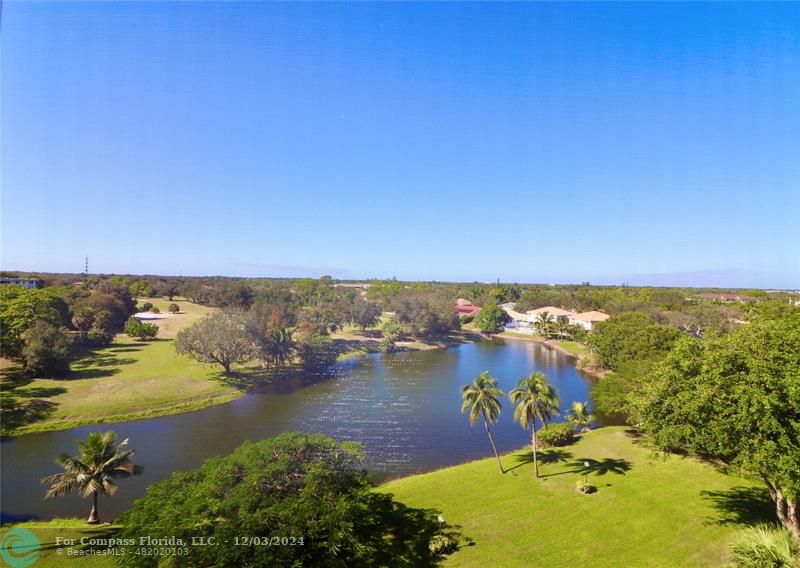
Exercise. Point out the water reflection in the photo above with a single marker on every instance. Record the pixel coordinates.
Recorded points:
(405, 409)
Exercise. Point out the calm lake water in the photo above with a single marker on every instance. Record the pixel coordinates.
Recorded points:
(404, 408)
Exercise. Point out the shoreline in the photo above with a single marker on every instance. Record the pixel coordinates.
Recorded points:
(594, 372)
(355, 350)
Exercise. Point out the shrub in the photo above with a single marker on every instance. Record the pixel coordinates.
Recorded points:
(552, 435)
(147, 306)
(155, 310)
(466, 319)
(47, 350)
(766, 545)
(141, 330)
(99, 337)
(585, 487)
(174, 308)
(442, 544)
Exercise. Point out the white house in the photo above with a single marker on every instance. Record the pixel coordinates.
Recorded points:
(526, 322)
(587, 319)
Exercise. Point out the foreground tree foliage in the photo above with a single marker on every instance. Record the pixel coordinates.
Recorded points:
(292, 487)
(219, 338)
(737, 399)
(93, 471)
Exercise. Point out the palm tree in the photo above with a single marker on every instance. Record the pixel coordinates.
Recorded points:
(535, 398)
(543, 324)
(482, 398)
(580, 416)
(280, 346)
(561, 327)
(94, 470)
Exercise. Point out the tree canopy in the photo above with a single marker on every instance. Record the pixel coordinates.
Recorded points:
(735, 398)
(306, 489)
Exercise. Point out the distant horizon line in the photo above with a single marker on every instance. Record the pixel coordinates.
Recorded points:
(380, 279)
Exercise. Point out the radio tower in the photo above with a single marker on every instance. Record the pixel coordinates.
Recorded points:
(86, 267)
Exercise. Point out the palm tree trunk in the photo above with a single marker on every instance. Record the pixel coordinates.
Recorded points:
(533, 446)
(494, 447)
(93, 520)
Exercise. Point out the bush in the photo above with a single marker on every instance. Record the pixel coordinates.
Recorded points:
(155, 310)
(466, 319)
(553, 435)
(147, 306)
(442, 544)
(141, 330)
(99, 337)
(766, 545)
(292, 487)
(174, 308)
(47, 350)
(585, 487)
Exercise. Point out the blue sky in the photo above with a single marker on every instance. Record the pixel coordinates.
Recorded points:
(647, 143)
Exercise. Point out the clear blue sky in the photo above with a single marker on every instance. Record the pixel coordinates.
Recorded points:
(648, 143)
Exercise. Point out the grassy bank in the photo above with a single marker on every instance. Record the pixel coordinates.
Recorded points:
(128, 380)
(354, 342)
(647, 512)
(54, 554)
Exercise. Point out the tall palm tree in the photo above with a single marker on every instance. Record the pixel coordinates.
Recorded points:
(482, 398)
(280, 346)
(543, 324)
(99, 462)
(536, 399)
(580, 416)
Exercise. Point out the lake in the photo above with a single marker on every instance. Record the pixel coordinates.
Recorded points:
(404, 408)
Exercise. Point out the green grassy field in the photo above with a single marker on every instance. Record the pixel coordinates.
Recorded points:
(129, 379)
(54, 554)
(648, 511)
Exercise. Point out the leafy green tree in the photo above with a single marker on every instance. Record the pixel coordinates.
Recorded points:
(630, 336)
(21, 308)
(47, 350)
(141, 330)
(306, 489)
(535, 398)
(491, 319)
(482, 398)
(141, 289)
(580, 416)
(99, 463)
(174, 308)
(735, 398)
(83, 319)
(219, 338)
(365, 314)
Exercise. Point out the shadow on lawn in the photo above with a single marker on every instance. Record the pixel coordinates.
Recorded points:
(544, 457)
(21, 406)
(741, 506)
(591, 466)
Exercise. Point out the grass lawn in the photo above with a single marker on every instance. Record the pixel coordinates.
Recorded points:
(129, 379)
(648, 511)
(47, 532)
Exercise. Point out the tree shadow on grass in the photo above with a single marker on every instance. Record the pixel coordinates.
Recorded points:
(741, 506)
(544, 457)
(591, 466)
(21, 406)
